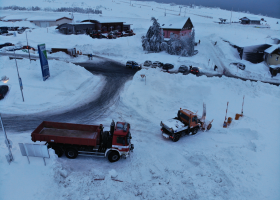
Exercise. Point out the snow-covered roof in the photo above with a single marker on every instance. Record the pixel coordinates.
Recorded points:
(172, 22)
(272, 48)
(251, 18)
(49, 18)
(81, 23)
(14, 17)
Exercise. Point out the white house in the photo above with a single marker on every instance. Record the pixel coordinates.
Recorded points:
(50, 21)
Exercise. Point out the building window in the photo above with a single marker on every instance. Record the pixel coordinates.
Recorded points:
(277, 58)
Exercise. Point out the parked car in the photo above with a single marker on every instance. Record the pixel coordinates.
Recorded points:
(28, 47)
(183, 68)
(157, 64)
(128, 33)
(3, 91)
(167, 66)
(135, 65)
(117, 33)
(148, 63)
(111, 35)
(6, 44)
(194, 70)
(239, 65)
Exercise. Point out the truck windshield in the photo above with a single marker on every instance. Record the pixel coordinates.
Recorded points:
(128, 138)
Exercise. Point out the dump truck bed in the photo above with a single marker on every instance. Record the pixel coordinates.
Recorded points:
(66, 133)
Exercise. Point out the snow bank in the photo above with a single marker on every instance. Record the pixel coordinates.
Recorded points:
(68, 86)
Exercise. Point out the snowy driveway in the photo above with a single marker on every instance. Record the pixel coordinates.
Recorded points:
(115, 75)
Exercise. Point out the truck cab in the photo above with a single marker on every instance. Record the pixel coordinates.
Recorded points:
(188, 118)
(122, 137)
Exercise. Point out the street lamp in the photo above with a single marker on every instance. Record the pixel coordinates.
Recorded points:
(4, 79)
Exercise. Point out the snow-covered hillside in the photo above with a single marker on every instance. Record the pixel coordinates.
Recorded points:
(239, 162)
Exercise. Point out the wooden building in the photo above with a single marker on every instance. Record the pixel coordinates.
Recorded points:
(175, 25)
(76, 28)
(250, 20)
(109, 26)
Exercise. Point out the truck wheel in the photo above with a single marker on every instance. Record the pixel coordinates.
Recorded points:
(209, 127)
(176, 137)
(71, 153)
(114, 156)
(194, 131)
(58, 151)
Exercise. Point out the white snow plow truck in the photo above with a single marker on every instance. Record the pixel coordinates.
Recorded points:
(186, 123)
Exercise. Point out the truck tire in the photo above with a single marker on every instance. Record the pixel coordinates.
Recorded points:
(58, 150)
(71, 153)
(194, 131)
(176, 137)
(114, 156)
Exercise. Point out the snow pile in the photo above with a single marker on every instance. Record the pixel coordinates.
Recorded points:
(68, 86)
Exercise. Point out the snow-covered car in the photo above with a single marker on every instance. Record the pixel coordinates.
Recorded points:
(157, 64)
(133, 64)
(148, 63)
(239, 65)
(183, 68)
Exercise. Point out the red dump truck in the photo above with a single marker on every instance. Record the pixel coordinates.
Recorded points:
(80, 139)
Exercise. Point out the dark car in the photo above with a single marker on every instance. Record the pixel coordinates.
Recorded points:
(194, 70)
(28, 47)
(167, 66)
(6, 44)
(3, 91)
(183, 68)
(133, 64)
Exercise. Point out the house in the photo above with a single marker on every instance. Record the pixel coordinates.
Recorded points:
(109, 26)
(76, 28)
(272, 59)
(50, 21)
(272, 55)
(250, 20)
(177, 25)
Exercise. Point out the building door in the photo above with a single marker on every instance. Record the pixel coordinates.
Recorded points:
(44, 24)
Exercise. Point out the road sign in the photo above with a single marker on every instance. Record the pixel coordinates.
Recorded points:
(20, 83)
(34, 150)
(44, 61)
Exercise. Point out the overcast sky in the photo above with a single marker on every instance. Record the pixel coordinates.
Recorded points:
(270, 8)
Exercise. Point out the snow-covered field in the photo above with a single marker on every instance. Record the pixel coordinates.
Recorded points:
(239, 162)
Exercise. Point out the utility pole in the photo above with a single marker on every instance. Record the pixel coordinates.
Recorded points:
(19, 79)
(231, 15)
(28, 46)
(180, 9)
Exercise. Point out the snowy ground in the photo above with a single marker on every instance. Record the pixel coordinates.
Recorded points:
(68, 86)
(240, 162)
